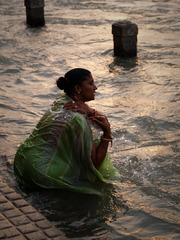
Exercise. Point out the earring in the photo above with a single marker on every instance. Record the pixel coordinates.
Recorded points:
(78, 92)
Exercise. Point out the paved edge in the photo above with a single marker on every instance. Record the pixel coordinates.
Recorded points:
(19, 220)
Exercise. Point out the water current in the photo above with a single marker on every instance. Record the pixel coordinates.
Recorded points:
(140, 96)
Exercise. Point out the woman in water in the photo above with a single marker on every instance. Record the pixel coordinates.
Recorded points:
(61, 151)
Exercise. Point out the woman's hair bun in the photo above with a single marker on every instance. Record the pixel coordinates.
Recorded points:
(72, 78)
(61, 83)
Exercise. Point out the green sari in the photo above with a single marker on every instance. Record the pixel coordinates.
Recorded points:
(57, 154)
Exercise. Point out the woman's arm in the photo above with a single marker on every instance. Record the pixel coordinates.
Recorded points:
(99, 153)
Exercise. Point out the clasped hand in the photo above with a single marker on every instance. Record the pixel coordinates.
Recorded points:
(79, 106)
(100, 119)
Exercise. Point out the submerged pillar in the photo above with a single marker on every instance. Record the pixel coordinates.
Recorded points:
(34, 13)
(125, 38)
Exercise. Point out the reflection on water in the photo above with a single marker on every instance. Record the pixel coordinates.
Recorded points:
(125, 64)
(139, 95)
(84, 215)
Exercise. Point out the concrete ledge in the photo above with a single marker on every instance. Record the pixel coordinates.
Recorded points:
(19, 220)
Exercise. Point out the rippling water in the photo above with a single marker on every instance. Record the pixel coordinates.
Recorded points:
(139, 95)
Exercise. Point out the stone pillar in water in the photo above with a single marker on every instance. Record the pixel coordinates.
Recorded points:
(34, 13)
(125, 38)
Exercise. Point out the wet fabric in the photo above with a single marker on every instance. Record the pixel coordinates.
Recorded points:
(57, 154)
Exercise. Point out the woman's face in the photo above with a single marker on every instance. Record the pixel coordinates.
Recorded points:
(87, 89)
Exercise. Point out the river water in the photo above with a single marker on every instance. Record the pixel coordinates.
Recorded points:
(140, 96)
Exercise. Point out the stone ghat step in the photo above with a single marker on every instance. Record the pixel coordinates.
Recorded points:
(20, 221)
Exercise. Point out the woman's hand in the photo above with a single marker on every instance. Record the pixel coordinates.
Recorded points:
(102, 122)
(79, 106)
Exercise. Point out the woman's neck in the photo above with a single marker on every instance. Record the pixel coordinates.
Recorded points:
(77, 97)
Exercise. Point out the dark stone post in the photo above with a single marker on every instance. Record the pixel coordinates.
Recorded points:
(34, 13)
(125, 38)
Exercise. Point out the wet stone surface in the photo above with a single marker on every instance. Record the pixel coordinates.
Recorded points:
(19, 220)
